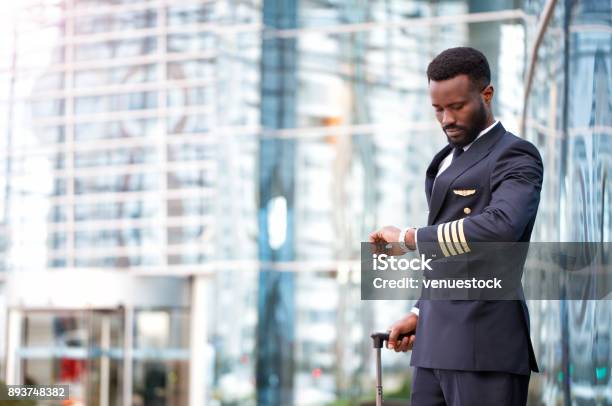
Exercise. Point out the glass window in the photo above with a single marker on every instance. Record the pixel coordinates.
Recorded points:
(128, 237)
(57, 214)
(161, 342)
(161, 382)
(190, 14)
(187, 259)
(60, 348)
(116, 262)
(119, 183)
(49, 108)
(192, 152)
(192, 69)
(47, 81)
(190, 123)
(126, 74)
(135, 209)
(116, 49)
(120, 102)
(190, 178)
(116, 129)
(57, 241)
(115, 22)
(59, 187)
(190, 207)
(187, 235)
(191, 42)
(57, 263)
(116, 156)
(191, 96)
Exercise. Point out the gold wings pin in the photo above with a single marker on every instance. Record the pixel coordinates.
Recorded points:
(464, 192)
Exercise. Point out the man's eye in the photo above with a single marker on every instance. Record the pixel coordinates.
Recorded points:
(438, 110)
(457, 107)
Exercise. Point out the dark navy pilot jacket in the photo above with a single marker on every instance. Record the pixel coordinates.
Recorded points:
(490, 193)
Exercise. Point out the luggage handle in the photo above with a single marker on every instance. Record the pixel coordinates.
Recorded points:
(378, 339)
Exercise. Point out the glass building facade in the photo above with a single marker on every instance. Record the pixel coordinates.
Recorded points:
(185, 184)
(568, 115)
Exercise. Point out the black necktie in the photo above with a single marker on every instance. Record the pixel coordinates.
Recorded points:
(458, 151)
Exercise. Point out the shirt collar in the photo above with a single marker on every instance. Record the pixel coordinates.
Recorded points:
(483, 132)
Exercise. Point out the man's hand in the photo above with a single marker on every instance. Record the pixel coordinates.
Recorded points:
(407, 325)
(391, 234)
(385, 234)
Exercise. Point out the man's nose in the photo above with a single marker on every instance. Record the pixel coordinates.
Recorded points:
(447, 118)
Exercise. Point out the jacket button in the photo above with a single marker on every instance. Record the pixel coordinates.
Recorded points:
(467, 210)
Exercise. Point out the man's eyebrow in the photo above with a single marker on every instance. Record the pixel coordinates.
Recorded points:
(451, 103)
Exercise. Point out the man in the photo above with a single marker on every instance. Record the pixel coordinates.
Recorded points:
(484, 186)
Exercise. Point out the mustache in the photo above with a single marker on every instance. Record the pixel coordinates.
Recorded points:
(454, 127)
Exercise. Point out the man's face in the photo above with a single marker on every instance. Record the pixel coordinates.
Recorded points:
(460, 108)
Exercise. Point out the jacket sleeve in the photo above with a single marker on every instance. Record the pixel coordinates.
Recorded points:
(516, 181)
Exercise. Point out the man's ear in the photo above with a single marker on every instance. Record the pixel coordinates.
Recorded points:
(487, 94)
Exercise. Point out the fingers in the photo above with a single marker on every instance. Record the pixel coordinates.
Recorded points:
(402, 345)
(392, 342)
(379, 236)
(411, 342)
(378, 242)
(376, 237)
(406, 344)
(383, 240)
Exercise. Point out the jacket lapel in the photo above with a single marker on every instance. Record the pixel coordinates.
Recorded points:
(432, 170)
(479, 149)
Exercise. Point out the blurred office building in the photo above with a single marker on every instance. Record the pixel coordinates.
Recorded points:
(184, 186)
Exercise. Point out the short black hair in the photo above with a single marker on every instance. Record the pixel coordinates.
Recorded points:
(458, 61)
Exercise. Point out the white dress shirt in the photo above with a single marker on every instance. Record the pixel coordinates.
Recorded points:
(446, 162)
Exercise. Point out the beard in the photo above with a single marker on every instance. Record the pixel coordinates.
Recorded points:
(476, 124)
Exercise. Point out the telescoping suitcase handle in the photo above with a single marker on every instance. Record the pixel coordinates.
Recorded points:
(378, 340)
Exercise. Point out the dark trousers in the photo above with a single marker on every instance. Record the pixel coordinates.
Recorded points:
(443, 387)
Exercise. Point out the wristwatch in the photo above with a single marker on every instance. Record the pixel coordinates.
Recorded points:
(402, 238)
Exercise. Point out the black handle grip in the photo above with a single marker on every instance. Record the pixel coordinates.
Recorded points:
(379, 338)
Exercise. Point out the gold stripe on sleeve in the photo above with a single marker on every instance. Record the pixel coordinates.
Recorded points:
(455, 238)
(466, 248)
(441, 241)
(449, 243)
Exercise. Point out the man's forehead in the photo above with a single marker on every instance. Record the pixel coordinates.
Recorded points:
(458, 85)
